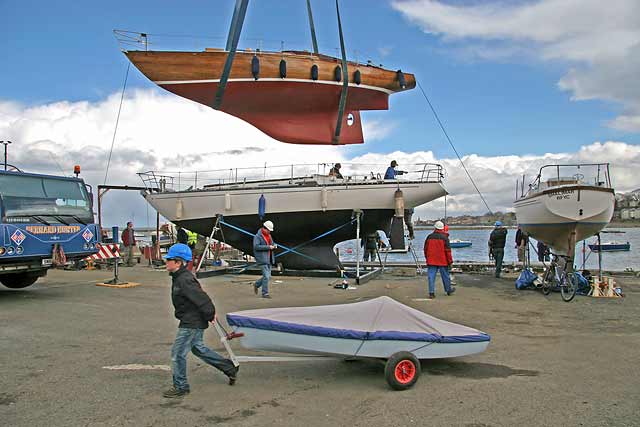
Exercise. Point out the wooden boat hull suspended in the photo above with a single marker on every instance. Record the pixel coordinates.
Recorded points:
(296, 109)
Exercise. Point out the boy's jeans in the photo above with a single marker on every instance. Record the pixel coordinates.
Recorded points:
(189, 339)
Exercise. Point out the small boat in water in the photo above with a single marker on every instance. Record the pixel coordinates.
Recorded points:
(565, 204)
(377, 328)
(610, 247)
(457, 243)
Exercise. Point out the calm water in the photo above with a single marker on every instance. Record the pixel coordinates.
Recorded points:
(616, 261)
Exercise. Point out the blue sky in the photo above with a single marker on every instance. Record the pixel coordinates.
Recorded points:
(518, 83)
(67, 51)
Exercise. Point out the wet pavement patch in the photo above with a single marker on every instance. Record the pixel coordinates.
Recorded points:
(477, 371)
(7, 399)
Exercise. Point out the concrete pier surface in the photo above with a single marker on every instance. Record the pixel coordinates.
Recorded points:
(550, 363)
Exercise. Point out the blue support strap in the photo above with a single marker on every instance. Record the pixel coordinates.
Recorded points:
(232, 44)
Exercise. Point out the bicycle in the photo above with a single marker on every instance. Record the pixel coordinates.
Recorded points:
(555, 275)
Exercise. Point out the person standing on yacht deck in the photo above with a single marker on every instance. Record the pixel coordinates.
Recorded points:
(335, 171)
(263, 248)
(437, 253)
(497, 240)
(392, 172)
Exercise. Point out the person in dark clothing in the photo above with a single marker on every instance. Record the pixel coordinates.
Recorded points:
(408, 220)
(497, 241)
(522, 241)
(370, 243)
(437, 253)
(392, 172)
(182, 235)
(195, 310)
(335, 171)
(543, 252)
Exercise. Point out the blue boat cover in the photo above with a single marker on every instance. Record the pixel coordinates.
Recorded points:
(381, 318)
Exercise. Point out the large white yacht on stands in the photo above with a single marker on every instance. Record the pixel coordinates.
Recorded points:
(302, 201)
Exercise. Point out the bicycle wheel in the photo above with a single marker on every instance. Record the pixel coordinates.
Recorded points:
(547, 281)
(569, 286)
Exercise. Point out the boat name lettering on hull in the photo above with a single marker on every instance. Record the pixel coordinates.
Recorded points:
(561, 194)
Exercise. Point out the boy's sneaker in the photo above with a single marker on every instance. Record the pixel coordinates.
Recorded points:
(431, 296)
(451, 290)
(174, 392)
(266, 296)
(233, 377)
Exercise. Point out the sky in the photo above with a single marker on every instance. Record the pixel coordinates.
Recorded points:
(517, 83)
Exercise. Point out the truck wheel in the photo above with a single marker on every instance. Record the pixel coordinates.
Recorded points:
(402, 370)
(19, 280)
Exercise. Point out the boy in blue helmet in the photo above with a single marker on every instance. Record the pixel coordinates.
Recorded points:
(194, 309)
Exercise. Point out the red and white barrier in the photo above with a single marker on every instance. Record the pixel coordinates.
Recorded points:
(106, 251)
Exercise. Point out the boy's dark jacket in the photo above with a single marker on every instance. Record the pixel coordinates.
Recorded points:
(193, 307)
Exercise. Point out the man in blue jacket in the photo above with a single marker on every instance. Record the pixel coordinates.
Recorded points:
(263, 248)
(194, 309)
(392, 172)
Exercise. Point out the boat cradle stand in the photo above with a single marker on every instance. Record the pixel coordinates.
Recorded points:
(402, 369)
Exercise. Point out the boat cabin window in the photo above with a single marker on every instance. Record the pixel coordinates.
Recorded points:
(554, 182)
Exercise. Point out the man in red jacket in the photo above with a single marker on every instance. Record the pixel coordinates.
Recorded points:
(437, 253)
(129, 242)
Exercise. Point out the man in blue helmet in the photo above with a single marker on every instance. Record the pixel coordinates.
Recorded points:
(497, 240)
(194, 309)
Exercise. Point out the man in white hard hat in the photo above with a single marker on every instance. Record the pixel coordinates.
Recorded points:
(263, 247)
(437, 253)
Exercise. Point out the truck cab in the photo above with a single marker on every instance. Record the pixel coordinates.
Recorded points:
(45, 220)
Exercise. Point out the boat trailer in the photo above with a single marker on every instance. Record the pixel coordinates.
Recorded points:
(402, 369)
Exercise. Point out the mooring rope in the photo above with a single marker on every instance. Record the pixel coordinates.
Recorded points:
(453, 147)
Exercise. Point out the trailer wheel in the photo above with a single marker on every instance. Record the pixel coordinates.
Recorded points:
(19, 280)
(402, 370)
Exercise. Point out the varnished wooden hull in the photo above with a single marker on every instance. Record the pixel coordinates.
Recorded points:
(296, 108)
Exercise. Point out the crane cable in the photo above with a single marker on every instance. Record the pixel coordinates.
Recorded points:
(115, 130)
(453, 147)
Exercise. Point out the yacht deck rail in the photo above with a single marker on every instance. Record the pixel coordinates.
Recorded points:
(594, 174)
(285, 175)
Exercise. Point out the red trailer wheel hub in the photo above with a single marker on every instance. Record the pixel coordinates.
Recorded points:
(405, 371)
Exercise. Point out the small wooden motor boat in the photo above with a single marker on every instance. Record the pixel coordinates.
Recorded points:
(292, 96)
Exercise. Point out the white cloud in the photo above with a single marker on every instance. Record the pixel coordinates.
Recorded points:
(600, 40)
(156, 132)
(164, 132)
(377, 129)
